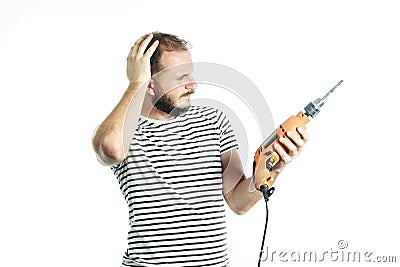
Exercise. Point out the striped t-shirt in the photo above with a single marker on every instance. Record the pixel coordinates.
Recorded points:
(172, 182)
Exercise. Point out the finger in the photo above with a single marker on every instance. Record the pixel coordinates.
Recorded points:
(151, 49)
(144, 44)
(282, 153)
(299, 142)
(287, 143)
(303, 133)
(134, 48)
(279, 167)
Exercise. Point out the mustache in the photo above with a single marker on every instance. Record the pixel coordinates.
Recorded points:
(188, 93)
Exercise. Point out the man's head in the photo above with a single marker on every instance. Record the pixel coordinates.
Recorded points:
(171, 67)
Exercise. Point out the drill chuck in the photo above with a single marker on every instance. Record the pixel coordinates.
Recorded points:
(313, 108)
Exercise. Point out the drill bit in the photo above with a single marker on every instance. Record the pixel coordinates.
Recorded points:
(331, 91)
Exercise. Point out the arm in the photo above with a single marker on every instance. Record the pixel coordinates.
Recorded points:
(112, 138)
(239, 198)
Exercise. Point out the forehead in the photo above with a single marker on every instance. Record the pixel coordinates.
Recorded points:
(174, 58)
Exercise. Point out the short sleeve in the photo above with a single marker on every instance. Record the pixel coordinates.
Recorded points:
(227, 139)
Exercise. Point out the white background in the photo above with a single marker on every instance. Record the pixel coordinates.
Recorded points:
(62, 69)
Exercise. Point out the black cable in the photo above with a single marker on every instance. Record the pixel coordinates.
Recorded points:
(267, 192)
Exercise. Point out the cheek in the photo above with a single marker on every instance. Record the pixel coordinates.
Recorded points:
(172, 89)
(164, 83)
(171, 95)
(174, 94)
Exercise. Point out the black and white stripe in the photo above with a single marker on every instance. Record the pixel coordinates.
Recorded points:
(172, 182)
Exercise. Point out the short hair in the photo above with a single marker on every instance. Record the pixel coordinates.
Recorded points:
(167, 42)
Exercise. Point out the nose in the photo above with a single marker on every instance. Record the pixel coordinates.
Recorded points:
(191, 84)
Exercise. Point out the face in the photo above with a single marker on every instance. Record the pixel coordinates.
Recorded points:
(173, 86)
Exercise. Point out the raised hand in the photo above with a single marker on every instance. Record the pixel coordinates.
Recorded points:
(138, 61)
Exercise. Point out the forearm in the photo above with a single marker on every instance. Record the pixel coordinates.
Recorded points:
(240, 199)
(244, 195)
(112, 138)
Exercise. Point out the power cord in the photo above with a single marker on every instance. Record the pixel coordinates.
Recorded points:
(267, 192)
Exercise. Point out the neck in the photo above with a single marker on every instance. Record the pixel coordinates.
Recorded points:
(157, 114)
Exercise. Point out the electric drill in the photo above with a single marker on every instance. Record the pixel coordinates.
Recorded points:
(266, 152)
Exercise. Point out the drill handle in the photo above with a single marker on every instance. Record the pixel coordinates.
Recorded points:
(266, 157)
(270, 158)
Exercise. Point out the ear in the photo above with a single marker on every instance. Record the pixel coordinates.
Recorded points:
(150, 88)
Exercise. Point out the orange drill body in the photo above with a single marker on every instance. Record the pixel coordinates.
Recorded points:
(266, 150)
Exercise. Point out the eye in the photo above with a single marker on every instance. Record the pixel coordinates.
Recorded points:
(183, 77)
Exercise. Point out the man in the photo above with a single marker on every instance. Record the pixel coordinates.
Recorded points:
(175, 163)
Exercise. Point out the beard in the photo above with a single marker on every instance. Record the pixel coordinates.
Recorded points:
(166, 104)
